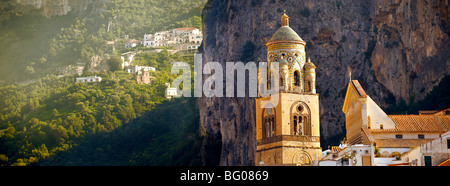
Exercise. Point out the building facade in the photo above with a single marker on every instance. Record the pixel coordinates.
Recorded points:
(171, 92)
(392, 140)
(143, 77)
(289, 132)
(90, 79)
(177, 36)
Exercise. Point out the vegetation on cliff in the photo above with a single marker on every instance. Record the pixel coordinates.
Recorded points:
(55, 121)
(34, 45)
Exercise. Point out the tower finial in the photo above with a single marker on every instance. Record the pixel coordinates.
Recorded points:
(284, 19)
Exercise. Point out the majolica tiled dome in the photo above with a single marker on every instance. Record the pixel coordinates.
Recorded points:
(285, 33)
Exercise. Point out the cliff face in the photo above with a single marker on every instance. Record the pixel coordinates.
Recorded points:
(396, 49)
(47, 8)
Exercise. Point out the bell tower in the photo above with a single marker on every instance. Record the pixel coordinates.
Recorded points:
(289, 132)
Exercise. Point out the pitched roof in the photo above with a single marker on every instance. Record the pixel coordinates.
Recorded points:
(427, 112)
(434, 112)
(445, 163)
(399, 164)
(337, 149)
(417, 123)
(359, 89)
(368, 135)
(353, 89)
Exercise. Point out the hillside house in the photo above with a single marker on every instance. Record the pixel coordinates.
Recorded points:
(90, 79)
(175, 37)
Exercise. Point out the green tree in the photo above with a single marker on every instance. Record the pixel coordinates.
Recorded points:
(41, 152)
(3, 160)
(115, 63)
(55, 114)
(29, 70)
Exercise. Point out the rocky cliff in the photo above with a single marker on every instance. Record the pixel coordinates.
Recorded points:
(47, 8)
(396, 49)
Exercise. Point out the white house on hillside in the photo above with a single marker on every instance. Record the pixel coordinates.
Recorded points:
(175, 37)
(89, 79)
(132, 43)
(171, 92)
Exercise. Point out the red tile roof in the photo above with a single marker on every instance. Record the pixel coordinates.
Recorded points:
(337, 149)
(417, 123)
(427, 112)
(445, 163)
(359, 89)
(399, 164)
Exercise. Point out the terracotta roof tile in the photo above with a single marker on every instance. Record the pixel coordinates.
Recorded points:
(368, 135)
(445, 163)
(336, 149)
(359, 89)
(427, 112)
(417, 123)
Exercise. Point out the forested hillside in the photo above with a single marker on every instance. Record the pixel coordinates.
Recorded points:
(34, 45)
(51, 120)
(113, 122)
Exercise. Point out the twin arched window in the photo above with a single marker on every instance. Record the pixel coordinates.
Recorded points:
(269, 123)
(298, 125)
(301, 122)
(269, 127)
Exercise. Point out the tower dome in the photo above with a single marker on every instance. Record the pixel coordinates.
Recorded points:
(285, 33)
(288, 50)
(288, 119)
(309, 64)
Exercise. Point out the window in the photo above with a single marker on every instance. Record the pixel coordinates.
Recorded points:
(298, 123)
(381, 126)
(308, 86)
(295, 125)
(269, 125)
(399, 136)
(296, 78)
(301, 124)
(421, 136)
(281, 81)
(272, 131)
(448, 143)
(428, 161)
